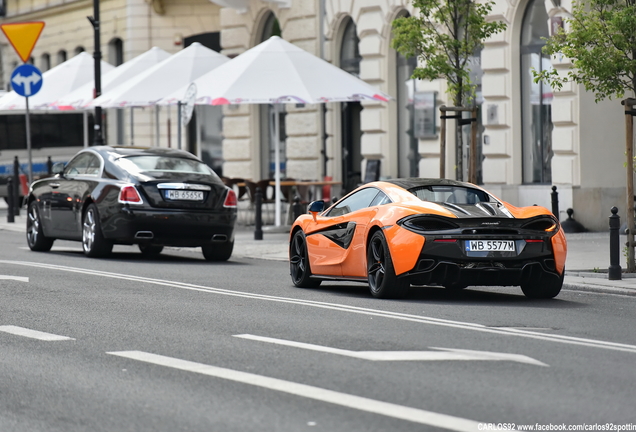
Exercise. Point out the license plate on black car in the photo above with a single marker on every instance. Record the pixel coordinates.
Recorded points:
(184, 195)
(490, 245)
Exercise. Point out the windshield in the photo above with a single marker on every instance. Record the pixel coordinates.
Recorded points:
(165, 164)
(451, 194)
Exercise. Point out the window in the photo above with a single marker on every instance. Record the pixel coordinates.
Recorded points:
(61, 56)
(267, 117)
(166, 164)
(86, 164)
(536, 98)
(116, 52)
(45, 62)
(50, 130)
(450, 194)
(351, 131)
(380, 199)
(357, 201)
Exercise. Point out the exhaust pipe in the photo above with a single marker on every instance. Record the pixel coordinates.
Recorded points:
(147, 235)
(219, 238)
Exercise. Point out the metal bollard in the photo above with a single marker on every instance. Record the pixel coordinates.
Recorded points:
(16, 187)
(258, 214)
(298, 208)
(10, 215)
(555, 202)
(614, 271)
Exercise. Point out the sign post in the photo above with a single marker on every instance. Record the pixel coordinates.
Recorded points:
(26, 79)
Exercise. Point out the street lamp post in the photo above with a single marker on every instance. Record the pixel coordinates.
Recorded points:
(97, 55)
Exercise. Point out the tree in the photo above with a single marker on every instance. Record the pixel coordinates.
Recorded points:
(600, 41)
(444, 36)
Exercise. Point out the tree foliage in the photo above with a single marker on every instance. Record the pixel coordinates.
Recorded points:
(601, 42)
(444, 36)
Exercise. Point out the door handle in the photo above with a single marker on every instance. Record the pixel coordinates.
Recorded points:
(54, 185)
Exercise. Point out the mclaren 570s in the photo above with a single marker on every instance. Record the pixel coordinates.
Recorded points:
(397, 233)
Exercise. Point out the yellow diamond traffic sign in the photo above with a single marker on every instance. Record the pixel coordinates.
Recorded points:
(23, 36)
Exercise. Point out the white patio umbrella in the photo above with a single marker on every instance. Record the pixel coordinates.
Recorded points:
(84, 95)
(149, 86)
(276, 72)
(57, 82)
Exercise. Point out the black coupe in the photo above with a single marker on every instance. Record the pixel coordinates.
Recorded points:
(152, 197)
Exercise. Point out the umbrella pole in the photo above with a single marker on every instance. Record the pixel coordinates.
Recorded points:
(157, 126)
(85, 121)
(277, 164)
(132, 126)
(179, 105)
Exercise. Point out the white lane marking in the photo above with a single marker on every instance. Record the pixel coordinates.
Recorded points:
(330, 396)
(572, 340)
(442, 355)
(59, 249)
(33, 334)
(15, 278)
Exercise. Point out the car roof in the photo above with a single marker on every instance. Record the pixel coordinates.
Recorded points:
(141, 151)
(414, 182)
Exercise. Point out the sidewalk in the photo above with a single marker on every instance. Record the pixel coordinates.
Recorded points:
(586, 265)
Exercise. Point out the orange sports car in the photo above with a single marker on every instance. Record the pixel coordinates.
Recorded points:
(397, 233)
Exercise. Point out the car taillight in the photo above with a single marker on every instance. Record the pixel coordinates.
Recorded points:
(230, 199)
(129, 195)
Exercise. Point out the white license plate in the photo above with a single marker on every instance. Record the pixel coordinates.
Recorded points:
(490, 245)
(184, 195)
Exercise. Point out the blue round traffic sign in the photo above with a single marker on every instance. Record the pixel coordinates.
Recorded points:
(26, 80)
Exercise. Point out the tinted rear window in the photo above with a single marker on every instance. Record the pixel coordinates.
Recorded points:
(166, 164)
(450, 194)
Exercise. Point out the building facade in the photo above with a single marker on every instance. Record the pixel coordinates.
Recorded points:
(530, 137)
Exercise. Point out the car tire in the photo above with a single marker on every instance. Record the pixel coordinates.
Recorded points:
(299, 268)
(383, 282)
(218, 251)
(546, 290)
(93, 242)
(36, 239)
(149, 250)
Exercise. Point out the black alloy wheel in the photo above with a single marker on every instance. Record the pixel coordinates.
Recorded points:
(93, 241)
(218, 251)
(299, 262)
(383, 282)
(547, 289)
(36, 239)
(149, 250)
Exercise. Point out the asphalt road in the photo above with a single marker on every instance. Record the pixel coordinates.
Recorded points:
(180, 344)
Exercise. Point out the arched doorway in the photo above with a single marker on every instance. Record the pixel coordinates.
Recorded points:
(536, 98)
(271, 27)
(205, 129)
(351, 132)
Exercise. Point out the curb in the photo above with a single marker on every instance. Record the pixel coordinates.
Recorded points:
(601, 289)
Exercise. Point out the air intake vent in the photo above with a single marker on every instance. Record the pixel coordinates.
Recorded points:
(542, 224)
(427, 223)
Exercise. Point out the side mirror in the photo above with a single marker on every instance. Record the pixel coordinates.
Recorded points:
(316, 207)
(58, 167)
